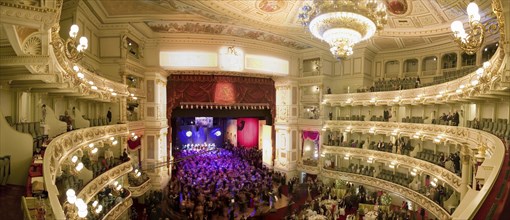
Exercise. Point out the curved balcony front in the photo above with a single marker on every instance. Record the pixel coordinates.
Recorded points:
(438, 171)
(120, 208)
(463, 88)
(100, 182)
(61, 147)
(476, 140)
(137, 191)
(405, 192)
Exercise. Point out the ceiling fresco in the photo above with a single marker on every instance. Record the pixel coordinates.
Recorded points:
(412, 23)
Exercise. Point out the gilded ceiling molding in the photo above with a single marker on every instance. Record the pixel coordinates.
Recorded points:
(221, 29)
(27, 13)
(407, 193)
(24, 60)
(62, 146)
(440, 172)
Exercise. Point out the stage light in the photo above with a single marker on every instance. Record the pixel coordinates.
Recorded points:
(188, 133)
(217, 133)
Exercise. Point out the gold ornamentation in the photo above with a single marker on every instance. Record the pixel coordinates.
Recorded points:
(343, 23)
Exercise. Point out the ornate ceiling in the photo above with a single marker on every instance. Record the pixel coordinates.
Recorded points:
(411, 23)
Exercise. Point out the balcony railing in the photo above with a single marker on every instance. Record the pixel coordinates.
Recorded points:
(98, 183)
(141, 189)
(440, 172)
(62, 146)
(120, 208)
(472, 138)
(430, 94)
(407, 193)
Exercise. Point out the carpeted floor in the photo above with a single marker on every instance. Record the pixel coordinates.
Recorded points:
(10, 195)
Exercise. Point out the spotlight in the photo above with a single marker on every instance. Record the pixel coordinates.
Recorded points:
(188, 133)
(217, 133)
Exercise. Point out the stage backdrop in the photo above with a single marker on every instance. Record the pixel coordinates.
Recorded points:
(247, 132)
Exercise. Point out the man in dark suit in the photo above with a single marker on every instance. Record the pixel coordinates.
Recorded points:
(456, 119)
(386, 115)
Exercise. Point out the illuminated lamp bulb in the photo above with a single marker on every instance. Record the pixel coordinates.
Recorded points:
(99, 209)
(136, 170)
(94, 204)
(91, 83)
(74, 30)
(76, 68)
(112, 138)
(94, 150)
(94, 87)
(70, 192)
(119, 187)
(479, 71)
(114, 94)
(116, 183)
(111, 90)
(132, 133)
(135, 98)
(138, 174)
(91, 145)
(74, 159)
(79, 166)
(115, 142)
(472, 10)
(188, 133)
(84, 42)
(132, 94)
(474, 82)
(486, 64)
(457, 27)
(82, 213)
(80, 204)
(80, 75)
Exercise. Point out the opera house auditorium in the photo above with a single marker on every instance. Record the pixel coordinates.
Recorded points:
(254, 109)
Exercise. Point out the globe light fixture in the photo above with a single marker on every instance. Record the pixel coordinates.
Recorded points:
(73, 48)
(343, 23)
(471, 41)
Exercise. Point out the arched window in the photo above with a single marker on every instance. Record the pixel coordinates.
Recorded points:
(468, 60)
(429, 64)
(411, 67)
(391, 68)
(449, 61)
(489, 51)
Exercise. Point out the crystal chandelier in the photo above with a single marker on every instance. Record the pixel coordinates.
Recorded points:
(343, 23)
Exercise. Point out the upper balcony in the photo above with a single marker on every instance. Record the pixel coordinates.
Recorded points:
(478, 85)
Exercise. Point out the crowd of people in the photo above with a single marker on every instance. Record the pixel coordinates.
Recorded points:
(450, 118)
(224, 183)
(353, 203)
(393, 84)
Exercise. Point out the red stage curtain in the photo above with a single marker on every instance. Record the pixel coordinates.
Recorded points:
(247, 132)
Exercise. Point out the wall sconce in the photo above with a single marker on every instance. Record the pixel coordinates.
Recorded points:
(471, 41)
(72, 48)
